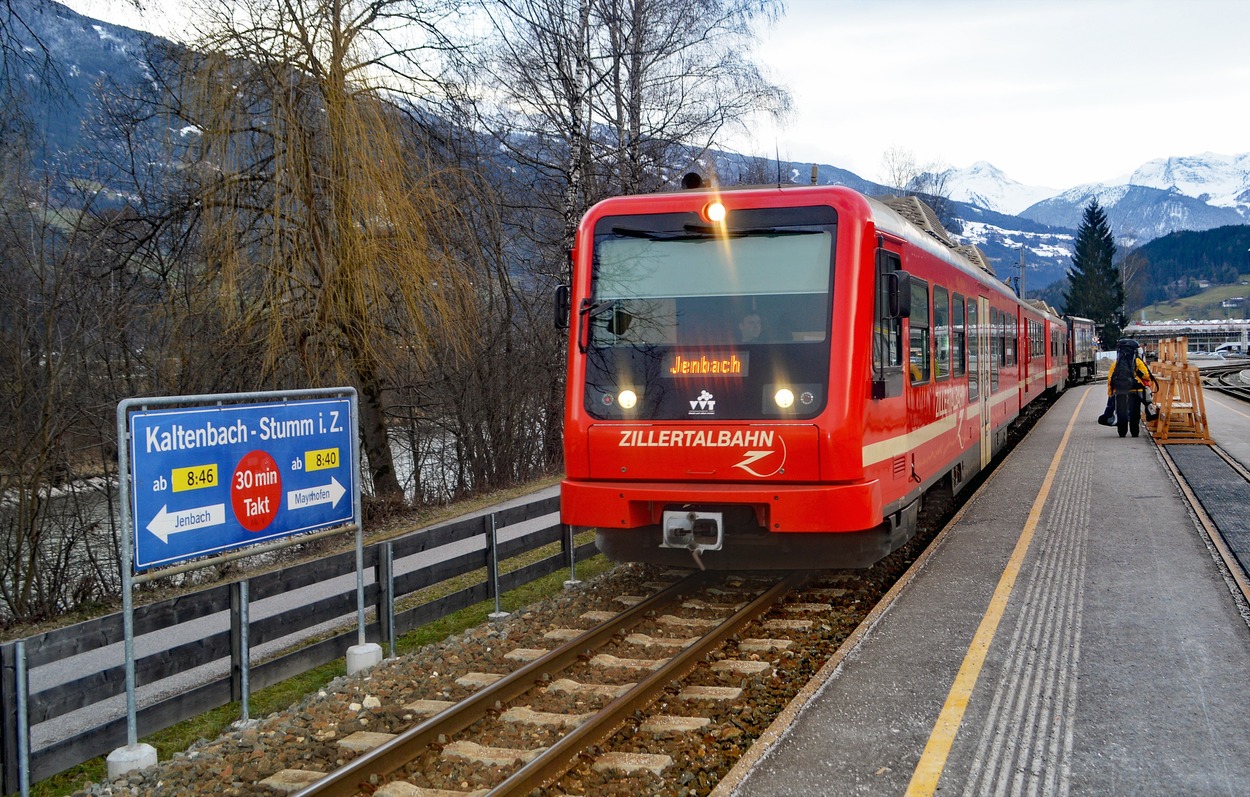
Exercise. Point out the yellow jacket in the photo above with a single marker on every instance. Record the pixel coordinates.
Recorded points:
(1142, 377)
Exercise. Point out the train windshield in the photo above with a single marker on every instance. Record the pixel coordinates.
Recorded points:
(678, 307)
(672, 291)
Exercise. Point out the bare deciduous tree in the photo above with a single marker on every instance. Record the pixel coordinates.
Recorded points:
(325, 224)
(600, 97)
(905, 176)
(54, 402)
(898, 169)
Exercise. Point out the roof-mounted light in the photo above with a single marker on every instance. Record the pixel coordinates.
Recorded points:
(715, 211)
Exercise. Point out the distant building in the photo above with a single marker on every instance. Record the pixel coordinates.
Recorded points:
(1202, 336)
(1235, 301)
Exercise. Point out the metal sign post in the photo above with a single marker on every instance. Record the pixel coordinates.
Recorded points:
(203, 475)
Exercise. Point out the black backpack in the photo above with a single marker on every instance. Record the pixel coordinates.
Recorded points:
(1123, 377)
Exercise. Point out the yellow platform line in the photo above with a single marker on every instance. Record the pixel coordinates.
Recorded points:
(932, 762)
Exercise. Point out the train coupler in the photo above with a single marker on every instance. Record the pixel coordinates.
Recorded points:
(693, 531)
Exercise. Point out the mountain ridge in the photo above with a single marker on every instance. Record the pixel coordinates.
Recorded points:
(1164, 195)
(1024, 231)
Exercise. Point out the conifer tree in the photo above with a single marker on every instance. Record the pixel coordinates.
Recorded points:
(1095, 288)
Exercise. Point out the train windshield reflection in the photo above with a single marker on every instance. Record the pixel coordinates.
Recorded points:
(771, 287)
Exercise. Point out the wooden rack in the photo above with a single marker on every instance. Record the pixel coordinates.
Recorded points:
(1182, 412)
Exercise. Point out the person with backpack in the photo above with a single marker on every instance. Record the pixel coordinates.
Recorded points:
(1126, 382)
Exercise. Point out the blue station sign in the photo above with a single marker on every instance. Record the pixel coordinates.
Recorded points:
(211, 479)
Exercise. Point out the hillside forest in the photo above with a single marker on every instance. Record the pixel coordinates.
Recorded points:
(1184, 264)
(1179, 276)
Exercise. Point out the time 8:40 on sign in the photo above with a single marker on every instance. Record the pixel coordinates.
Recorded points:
(208, 479)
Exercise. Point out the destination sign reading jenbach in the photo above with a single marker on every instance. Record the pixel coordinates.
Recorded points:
(208, 479)
(731, 364)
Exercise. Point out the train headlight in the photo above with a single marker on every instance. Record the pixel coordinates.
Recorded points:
(784, 398)
(715, 211)
(627, 399)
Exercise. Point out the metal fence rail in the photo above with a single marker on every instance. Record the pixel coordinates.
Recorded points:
(387, 589)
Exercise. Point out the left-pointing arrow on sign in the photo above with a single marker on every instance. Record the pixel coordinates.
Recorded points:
(166, 523)
(314, 496)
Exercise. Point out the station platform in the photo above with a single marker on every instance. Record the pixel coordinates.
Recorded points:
(1071, 633)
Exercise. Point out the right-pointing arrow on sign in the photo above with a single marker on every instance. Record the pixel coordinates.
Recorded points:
(315, 496)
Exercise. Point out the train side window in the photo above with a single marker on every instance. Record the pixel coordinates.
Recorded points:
(918, 336)
(941, 332)
(1010, 341)
(974, 352)
(1004, 341)
(957, 335)
(893, 304)
(886, 349)
(996, 347)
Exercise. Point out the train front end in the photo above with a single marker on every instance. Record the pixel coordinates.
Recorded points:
(715, 389)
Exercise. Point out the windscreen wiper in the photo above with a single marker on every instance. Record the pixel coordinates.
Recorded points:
(653, 235)
(745, 232)
(594, 309)
(699, 232)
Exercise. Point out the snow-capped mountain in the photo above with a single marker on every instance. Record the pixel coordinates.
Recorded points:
(983, 185)
(1193, 192)
(1220, 180)
(1137, 213)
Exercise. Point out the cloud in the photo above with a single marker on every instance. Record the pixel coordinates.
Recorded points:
(1060, 92)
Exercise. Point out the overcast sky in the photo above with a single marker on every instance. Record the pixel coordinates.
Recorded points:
(1053, 92)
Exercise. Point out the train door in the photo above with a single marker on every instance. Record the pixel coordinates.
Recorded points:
(986, 354)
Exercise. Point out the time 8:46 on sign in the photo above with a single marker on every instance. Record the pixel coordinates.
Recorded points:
(207, 479)
(194, 477)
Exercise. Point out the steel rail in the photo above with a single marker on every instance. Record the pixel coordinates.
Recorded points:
(556, 759)
(1210, 530)
(361, 773)
(1225, 379)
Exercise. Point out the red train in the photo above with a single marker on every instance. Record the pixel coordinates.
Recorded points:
(776, 377)
(1082, 349)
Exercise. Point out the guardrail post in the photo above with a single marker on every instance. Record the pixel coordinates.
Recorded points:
(385, 576)
(23, 719)
(492, 563)
(9, 755)
(569, 543)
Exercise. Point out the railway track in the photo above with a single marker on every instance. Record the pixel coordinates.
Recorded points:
(662, 697)
(1228, 380)
(1203, 492)
(564, 680)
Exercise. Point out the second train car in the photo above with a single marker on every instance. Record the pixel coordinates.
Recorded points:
(778, 376)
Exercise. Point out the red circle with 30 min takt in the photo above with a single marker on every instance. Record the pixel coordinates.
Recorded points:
(256, 490)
